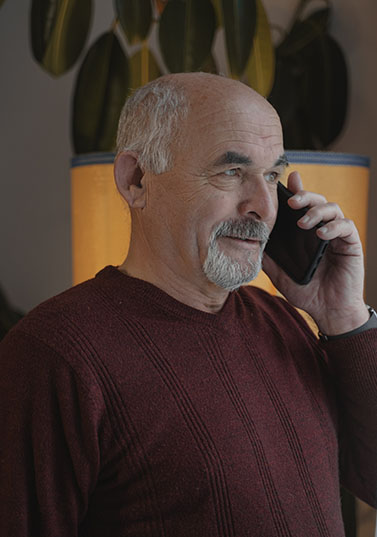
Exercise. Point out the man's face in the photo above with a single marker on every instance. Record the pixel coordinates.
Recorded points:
(215, 208)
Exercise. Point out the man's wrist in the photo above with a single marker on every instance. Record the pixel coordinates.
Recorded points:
(370, 323)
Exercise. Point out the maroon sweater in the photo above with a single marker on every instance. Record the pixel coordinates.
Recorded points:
(126, 413)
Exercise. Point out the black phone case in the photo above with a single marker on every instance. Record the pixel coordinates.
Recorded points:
(297, 251)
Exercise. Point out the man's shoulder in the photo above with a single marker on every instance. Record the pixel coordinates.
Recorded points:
(74, 330)
(74, 311)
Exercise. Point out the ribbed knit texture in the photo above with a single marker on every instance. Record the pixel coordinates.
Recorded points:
(125, 413)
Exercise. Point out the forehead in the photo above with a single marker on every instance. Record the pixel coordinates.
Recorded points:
(239, 125)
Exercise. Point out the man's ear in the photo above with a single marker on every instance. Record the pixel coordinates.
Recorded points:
(128, 178)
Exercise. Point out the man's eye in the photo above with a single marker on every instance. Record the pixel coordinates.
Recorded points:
(232, 172)
(272, 177)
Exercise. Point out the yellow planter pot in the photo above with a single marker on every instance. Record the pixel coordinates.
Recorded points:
(101, 221)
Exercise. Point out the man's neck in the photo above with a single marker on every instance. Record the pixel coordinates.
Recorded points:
(206, 297)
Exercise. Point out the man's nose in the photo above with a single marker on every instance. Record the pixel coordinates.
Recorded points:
(259, 200)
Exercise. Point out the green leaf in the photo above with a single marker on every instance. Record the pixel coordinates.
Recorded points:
(327, 90)
(218, 11)
(239, 18)
(101, 88)
(58, 32)
(143, 68)
(135, 17)
(186, 34)
(260, 69)
(287, 96)
(305, 32)
(310, 94)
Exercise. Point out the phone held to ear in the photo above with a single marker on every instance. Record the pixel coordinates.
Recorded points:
(297, 251)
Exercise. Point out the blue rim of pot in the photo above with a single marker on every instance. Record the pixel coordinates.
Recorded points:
(294, 157)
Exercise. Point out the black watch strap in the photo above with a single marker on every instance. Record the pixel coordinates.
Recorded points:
(371, 323)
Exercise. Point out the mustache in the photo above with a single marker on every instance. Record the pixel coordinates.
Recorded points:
(243, 229)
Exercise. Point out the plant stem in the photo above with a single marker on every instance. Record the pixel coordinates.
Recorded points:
(144, 63)
(114, 24)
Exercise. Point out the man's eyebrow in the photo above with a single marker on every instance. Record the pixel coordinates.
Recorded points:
(281, 161)
(231, 157)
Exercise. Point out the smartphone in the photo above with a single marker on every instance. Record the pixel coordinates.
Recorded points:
(297, 251)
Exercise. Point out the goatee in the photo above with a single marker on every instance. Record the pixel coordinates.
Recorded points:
(226, 272)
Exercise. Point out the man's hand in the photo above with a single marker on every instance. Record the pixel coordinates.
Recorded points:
(334, 297)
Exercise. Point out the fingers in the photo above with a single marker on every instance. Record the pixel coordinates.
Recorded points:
(344, 229)
(325, 212)
(321, 211)
(294, 182)
(301, 197)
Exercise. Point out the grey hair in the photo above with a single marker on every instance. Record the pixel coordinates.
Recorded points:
(150, 121)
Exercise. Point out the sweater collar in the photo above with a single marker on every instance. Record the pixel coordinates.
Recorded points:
(132, 293)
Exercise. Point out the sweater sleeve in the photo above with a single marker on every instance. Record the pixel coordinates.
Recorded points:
(353, 363)
(49, 450)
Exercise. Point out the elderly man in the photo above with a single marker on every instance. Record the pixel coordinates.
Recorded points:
(161, 398)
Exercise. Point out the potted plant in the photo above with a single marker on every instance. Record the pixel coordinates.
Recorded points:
(304, 75)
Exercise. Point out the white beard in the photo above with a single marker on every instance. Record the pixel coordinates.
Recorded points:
(226, 272)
